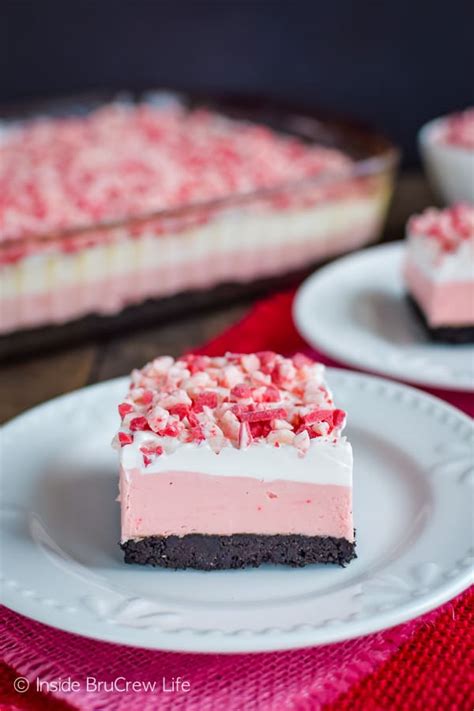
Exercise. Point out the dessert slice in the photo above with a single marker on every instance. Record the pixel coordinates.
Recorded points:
(439, 272)
(234, 461)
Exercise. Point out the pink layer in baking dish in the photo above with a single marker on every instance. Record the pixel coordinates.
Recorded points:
(108, 295)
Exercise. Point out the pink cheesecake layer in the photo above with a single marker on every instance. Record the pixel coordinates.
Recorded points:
(178, 503)
(443, 303)
(110, 294)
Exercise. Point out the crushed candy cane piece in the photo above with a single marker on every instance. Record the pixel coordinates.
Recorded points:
(139, 423)
(125, 438)
(124, 409)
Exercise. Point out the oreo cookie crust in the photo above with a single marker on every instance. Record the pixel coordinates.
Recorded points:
(239, 550)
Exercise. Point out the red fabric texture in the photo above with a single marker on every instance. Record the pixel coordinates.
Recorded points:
(433, 670)
(421, 665)
(31, 700)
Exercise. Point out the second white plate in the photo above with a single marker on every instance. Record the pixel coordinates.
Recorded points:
(356, 311)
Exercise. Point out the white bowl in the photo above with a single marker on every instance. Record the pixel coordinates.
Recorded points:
(450, 168)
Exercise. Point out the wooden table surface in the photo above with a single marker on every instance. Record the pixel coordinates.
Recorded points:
(40, 378)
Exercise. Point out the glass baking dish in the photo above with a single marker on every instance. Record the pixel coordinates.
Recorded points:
(105, 268)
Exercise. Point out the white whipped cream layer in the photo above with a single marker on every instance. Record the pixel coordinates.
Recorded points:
(245, 231)
(325, 462)
(440, 266)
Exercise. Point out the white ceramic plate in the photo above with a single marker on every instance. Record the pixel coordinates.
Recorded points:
(356, 311)
(60, 525)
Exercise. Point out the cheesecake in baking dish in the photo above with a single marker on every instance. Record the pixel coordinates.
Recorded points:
(137, 202)
(234, 461)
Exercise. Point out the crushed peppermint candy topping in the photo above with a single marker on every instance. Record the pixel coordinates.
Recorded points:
(232, 400)
(124, 161)
(458, 129)
(449, 227)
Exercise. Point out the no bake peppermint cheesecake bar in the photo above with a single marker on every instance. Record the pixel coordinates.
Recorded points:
(234, 461)
(439, 271)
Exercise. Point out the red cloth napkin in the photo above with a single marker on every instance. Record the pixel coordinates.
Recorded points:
(418, 666)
